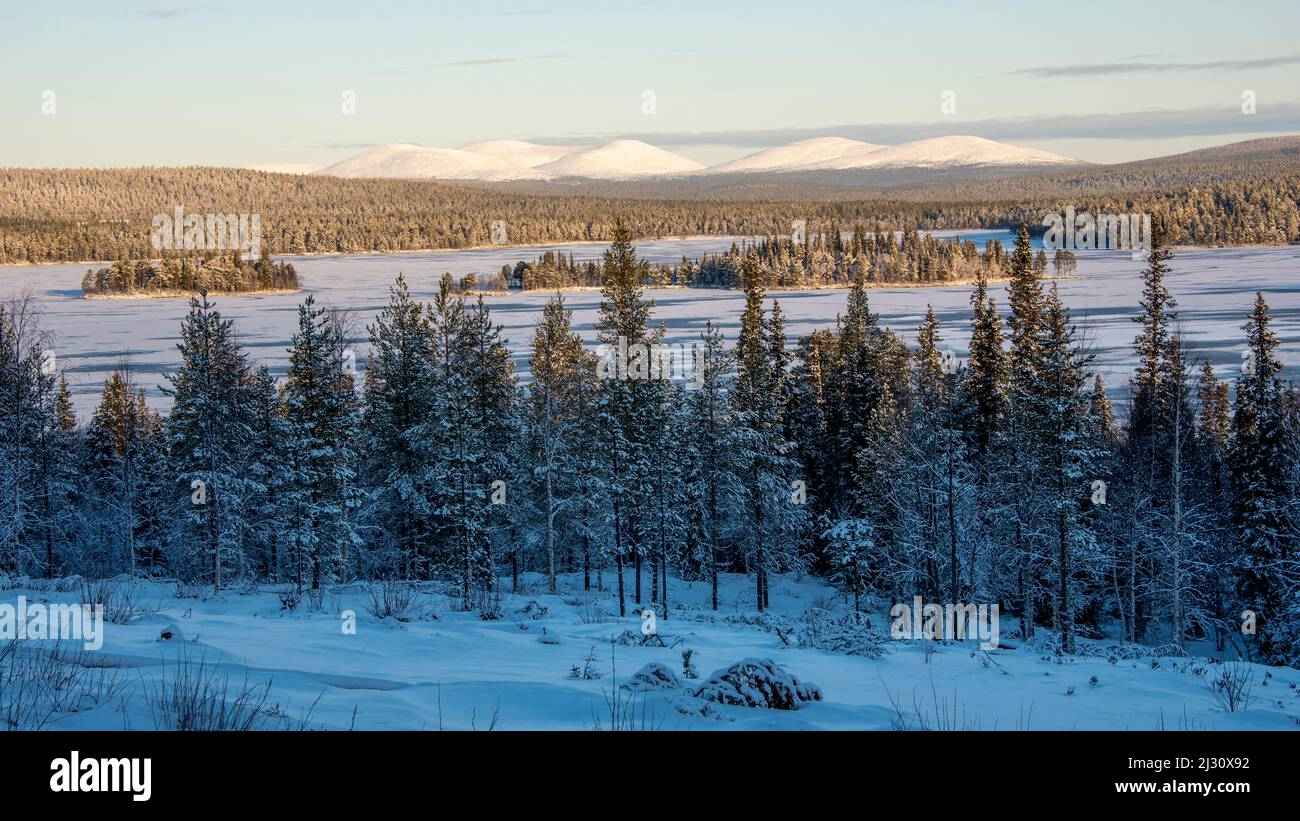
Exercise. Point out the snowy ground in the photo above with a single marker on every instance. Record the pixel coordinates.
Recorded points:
(1214, 288)
(452, 670)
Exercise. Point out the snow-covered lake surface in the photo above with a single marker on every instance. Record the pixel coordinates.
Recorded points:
(1214, 288)
(442, 668)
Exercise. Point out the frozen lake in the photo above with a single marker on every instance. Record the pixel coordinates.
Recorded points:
(1214, 288)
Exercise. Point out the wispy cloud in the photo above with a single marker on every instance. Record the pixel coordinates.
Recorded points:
(1094, 69)
(1272, 118)
(172, 12)
(489, 61)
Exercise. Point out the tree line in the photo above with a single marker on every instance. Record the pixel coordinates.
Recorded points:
(892, 471)
(60, 215)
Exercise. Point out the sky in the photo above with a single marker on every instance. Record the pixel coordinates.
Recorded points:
(235, 83)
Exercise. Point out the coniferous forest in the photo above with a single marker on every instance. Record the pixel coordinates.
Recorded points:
(62, 215)
(411, 450)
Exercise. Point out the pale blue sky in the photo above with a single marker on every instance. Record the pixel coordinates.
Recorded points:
(232, 83)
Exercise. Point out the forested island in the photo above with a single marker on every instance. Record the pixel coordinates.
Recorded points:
(827, 259)
(189, 274)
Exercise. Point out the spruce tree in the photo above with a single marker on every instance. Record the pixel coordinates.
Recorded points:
(208, 431)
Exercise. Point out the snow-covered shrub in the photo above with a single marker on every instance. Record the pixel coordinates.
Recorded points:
(187, 590)
(488, 604)
(653, 676)
(533, 610)
(547, 637)
(850, 634)
(40, 682)
(119, 597)
(194, 695)
(1122, 651)
(589, 607)
(393, 600)
(688, 664)
(755, 682)
(316, 600)
(290, 597)
(587, 670)
(698, 708)
(69, 584)
(1230, 686)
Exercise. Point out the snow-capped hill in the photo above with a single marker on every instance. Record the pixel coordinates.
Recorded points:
(500, 160)
(620, 160)
(495, 160)
(840, 154)
(521, 153)
(407, 161)
(800, 155)
(953, 151)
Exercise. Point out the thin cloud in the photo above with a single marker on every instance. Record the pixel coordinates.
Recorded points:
(489, 61)
(174, 12)
(1095, 69)
(1271, 118)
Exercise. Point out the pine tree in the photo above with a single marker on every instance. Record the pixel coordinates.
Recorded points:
(552, 421)
(1019, 483)
(711, 490)
(209, 431)
(126, 451)
(1058, 423)
(984, 383)
(1264, 468)
(623, 326)
(399, 411)
(762, 450)
(493, 403)
(321, 415)
(271, 439)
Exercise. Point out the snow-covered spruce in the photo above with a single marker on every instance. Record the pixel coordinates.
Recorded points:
(755, 682)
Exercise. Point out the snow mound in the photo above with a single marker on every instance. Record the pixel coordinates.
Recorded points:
(755, 682)
(654, 676)
(620, 160)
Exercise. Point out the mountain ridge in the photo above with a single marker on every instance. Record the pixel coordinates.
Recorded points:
(519, 160)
